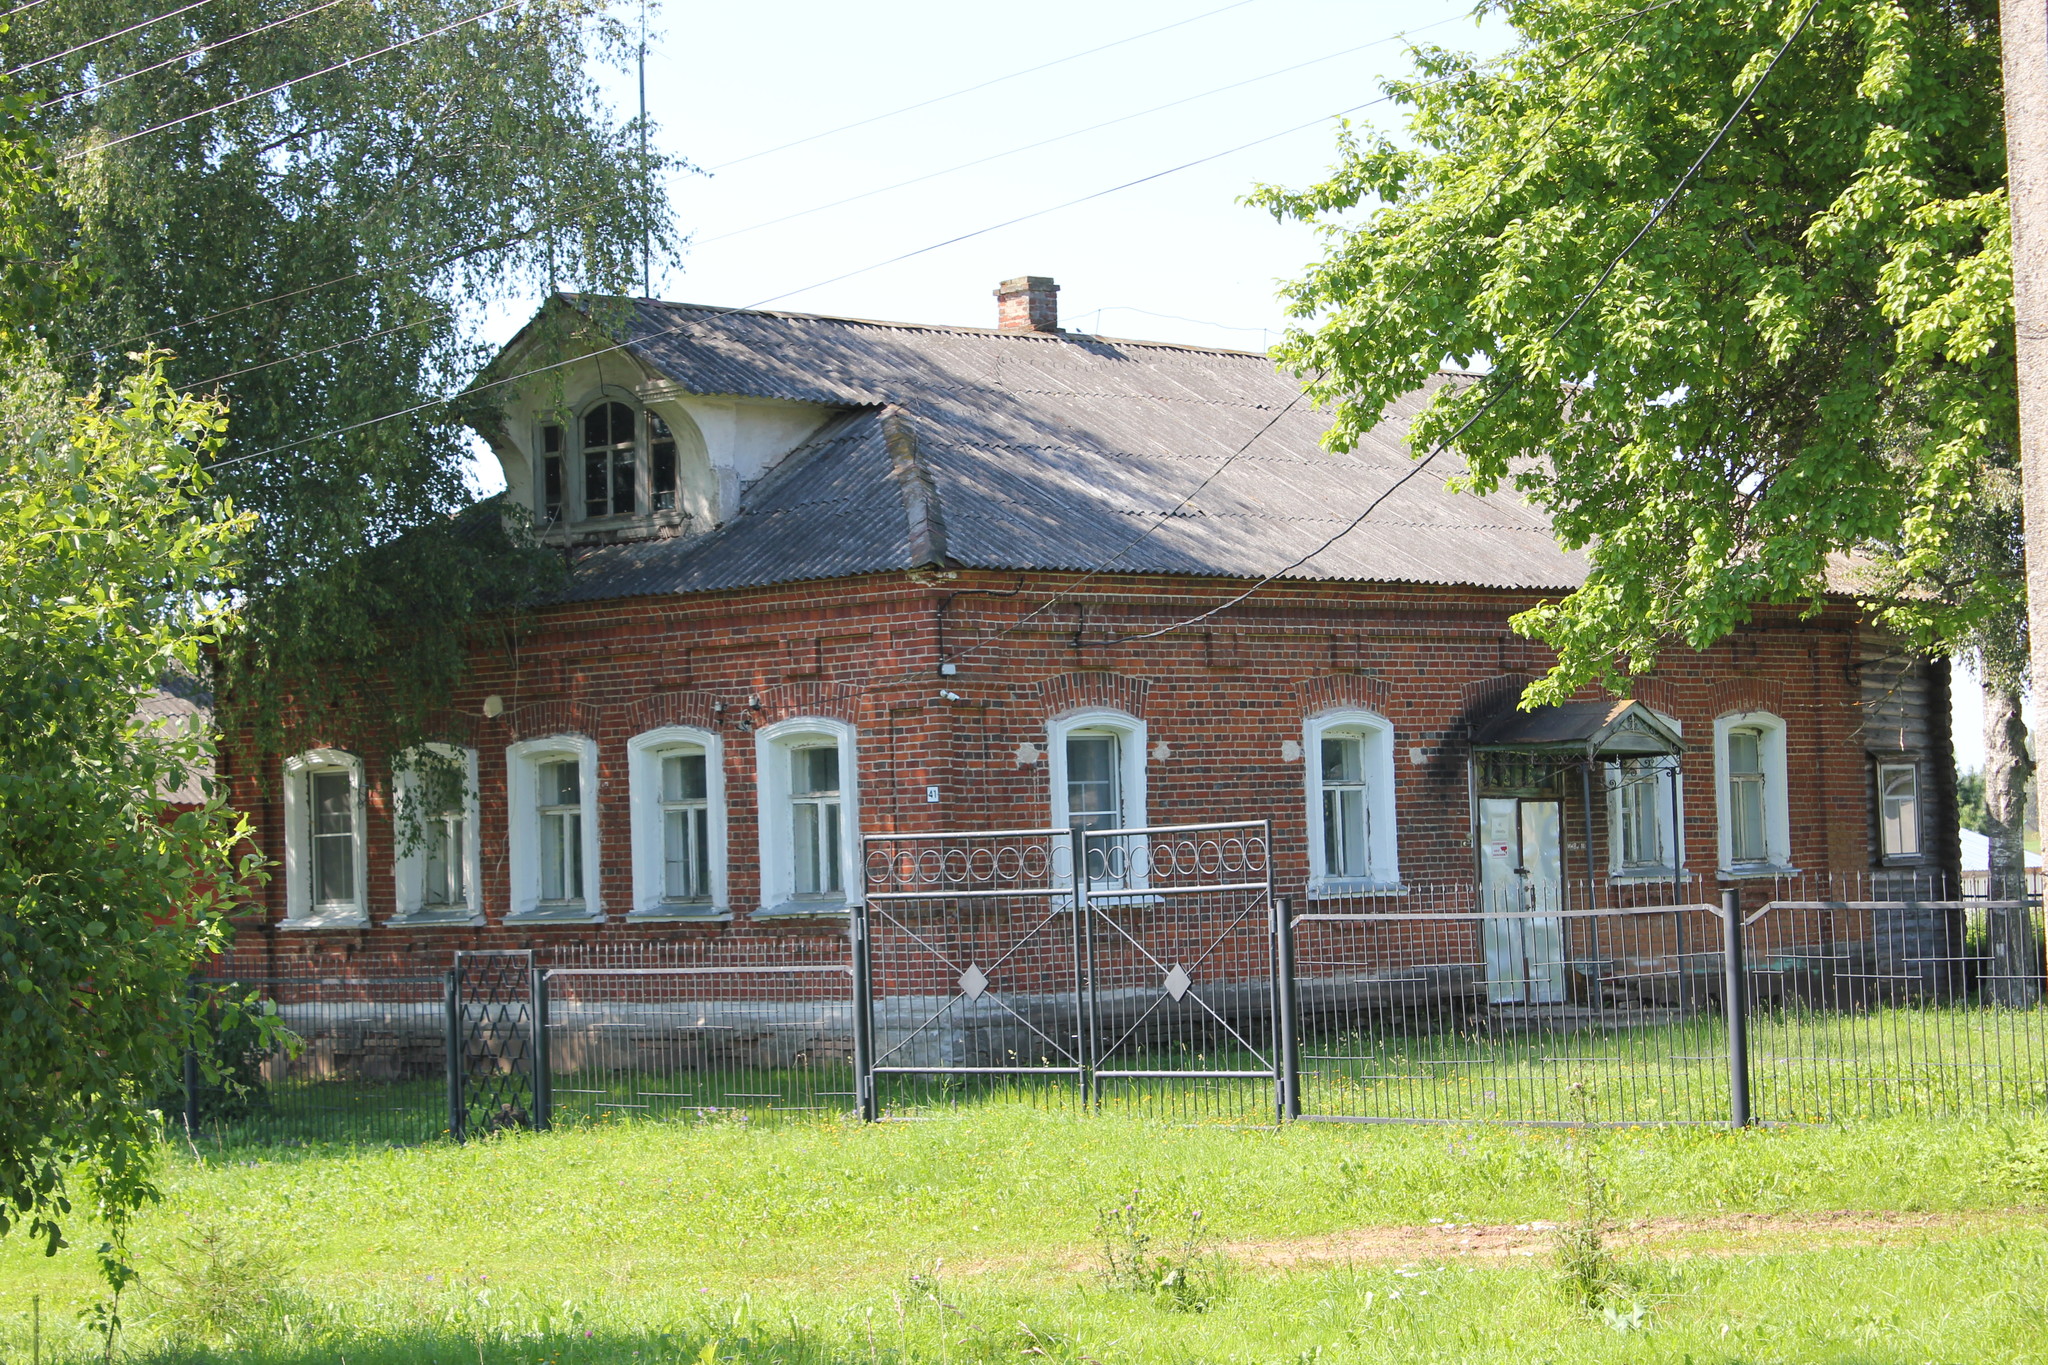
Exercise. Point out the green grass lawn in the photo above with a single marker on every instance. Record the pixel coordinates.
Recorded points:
(971, 1238)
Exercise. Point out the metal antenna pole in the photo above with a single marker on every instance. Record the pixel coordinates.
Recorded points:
(646, 237)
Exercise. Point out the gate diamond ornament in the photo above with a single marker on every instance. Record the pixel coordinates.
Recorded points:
(972, 982)
(1178, 981)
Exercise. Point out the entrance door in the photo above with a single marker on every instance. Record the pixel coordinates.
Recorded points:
(1522, 875)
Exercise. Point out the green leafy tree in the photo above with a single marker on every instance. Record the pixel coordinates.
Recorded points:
(321, 256)
(1809, 355)
(110, 541)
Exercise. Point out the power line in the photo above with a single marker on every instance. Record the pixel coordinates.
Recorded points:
(1656, 213)
(1062, 137)
(103, 38)
(817, 284)
(970, 89)
(199, 51)
(9, 14)
(342, 65)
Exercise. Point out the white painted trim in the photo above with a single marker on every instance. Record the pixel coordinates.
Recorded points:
(300, 913)
(522, 800)
(408, 870)
(1131, 780)
(1777, 807)
(644, 753)
(1673, 839)
(772, 744)
(1383, 853)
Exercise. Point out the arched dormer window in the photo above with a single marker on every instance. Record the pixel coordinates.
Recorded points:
(620, 463)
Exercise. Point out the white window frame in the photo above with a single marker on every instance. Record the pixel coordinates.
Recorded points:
(300, 912)
(1131, 781)
(644, 753)
(1383, 841)
(1777, 860)
(1669, 833)
(409, 868)
(522, 808)
(1885, 853)
(772, 747)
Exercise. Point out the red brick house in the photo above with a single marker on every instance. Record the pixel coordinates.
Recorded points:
(833, 576)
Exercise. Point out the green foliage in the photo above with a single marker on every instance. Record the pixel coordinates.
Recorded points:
(1970, 801)
(1811, 352)
(219, 1286)
(1153, 1244)
(235, 1043)
(435, 182)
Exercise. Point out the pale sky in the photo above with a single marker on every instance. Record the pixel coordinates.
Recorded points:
(1174, 259)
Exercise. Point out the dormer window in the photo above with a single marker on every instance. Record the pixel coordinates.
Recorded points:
(624, 457)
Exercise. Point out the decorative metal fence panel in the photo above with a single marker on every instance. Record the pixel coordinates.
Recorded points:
(493, 1035)
(987, 969)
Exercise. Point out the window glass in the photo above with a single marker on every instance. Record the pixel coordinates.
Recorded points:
(334, 838)
(1746, 842)
(561, 830)
(815, 819)
(1347, 816)
(551, 473)
(1898, 787)
(1640, 835)
(444, 874)
(610, 461)
(1094, 770)
(661, 451)
(685, 831)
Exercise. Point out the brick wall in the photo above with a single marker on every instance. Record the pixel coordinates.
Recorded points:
(1223, 703)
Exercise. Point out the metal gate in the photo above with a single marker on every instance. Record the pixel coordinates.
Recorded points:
(1154, 977)
(493, 1044)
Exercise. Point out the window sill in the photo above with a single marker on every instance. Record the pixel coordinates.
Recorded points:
(803, 909)
(333, 919)
(681, 914)
(555, 914)
(1646, 876)
(1755, 870)
(428, 919)
(1335, 888)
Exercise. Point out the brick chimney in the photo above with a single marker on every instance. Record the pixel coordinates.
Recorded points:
(1029, 303)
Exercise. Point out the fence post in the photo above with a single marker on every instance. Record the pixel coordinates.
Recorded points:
(1735, 1004)
(863, 1002)
(1084, 970)
(191, 1092)
(543, 1065)
(452, 999)
(1284, 1012)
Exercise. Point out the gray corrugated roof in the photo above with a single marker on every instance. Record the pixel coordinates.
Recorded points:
(1052, 452)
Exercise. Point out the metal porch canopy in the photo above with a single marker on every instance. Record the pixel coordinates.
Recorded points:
(1582, 729)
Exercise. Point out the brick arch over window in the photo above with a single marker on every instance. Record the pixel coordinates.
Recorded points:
(1351, 691)
(1066, 692)
(1746, 694)
(662, 709)
(549, 718)
(834, 701)
(1655, 693)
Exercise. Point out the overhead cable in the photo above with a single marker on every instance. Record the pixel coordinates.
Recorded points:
(103, 38)
(342, 65)
(199, 51)
(1059, 137)
(970, 89)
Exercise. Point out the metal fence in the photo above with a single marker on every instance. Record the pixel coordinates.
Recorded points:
(1171, 982)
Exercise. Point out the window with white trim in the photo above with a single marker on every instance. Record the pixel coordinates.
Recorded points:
(1751, 798)
(1898, 810)
(1348, 761)
(809, 816)
(552, 814)
(1643, 837)
(677, 781)
(325, 862)
(435, 872)
(1097, 771)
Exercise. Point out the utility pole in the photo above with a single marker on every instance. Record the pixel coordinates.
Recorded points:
(2023, 26)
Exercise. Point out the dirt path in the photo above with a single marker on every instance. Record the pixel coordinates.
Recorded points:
(1725, 1235)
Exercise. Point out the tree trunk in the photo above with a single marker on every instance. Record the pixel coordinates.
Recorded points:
(2012, 976)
